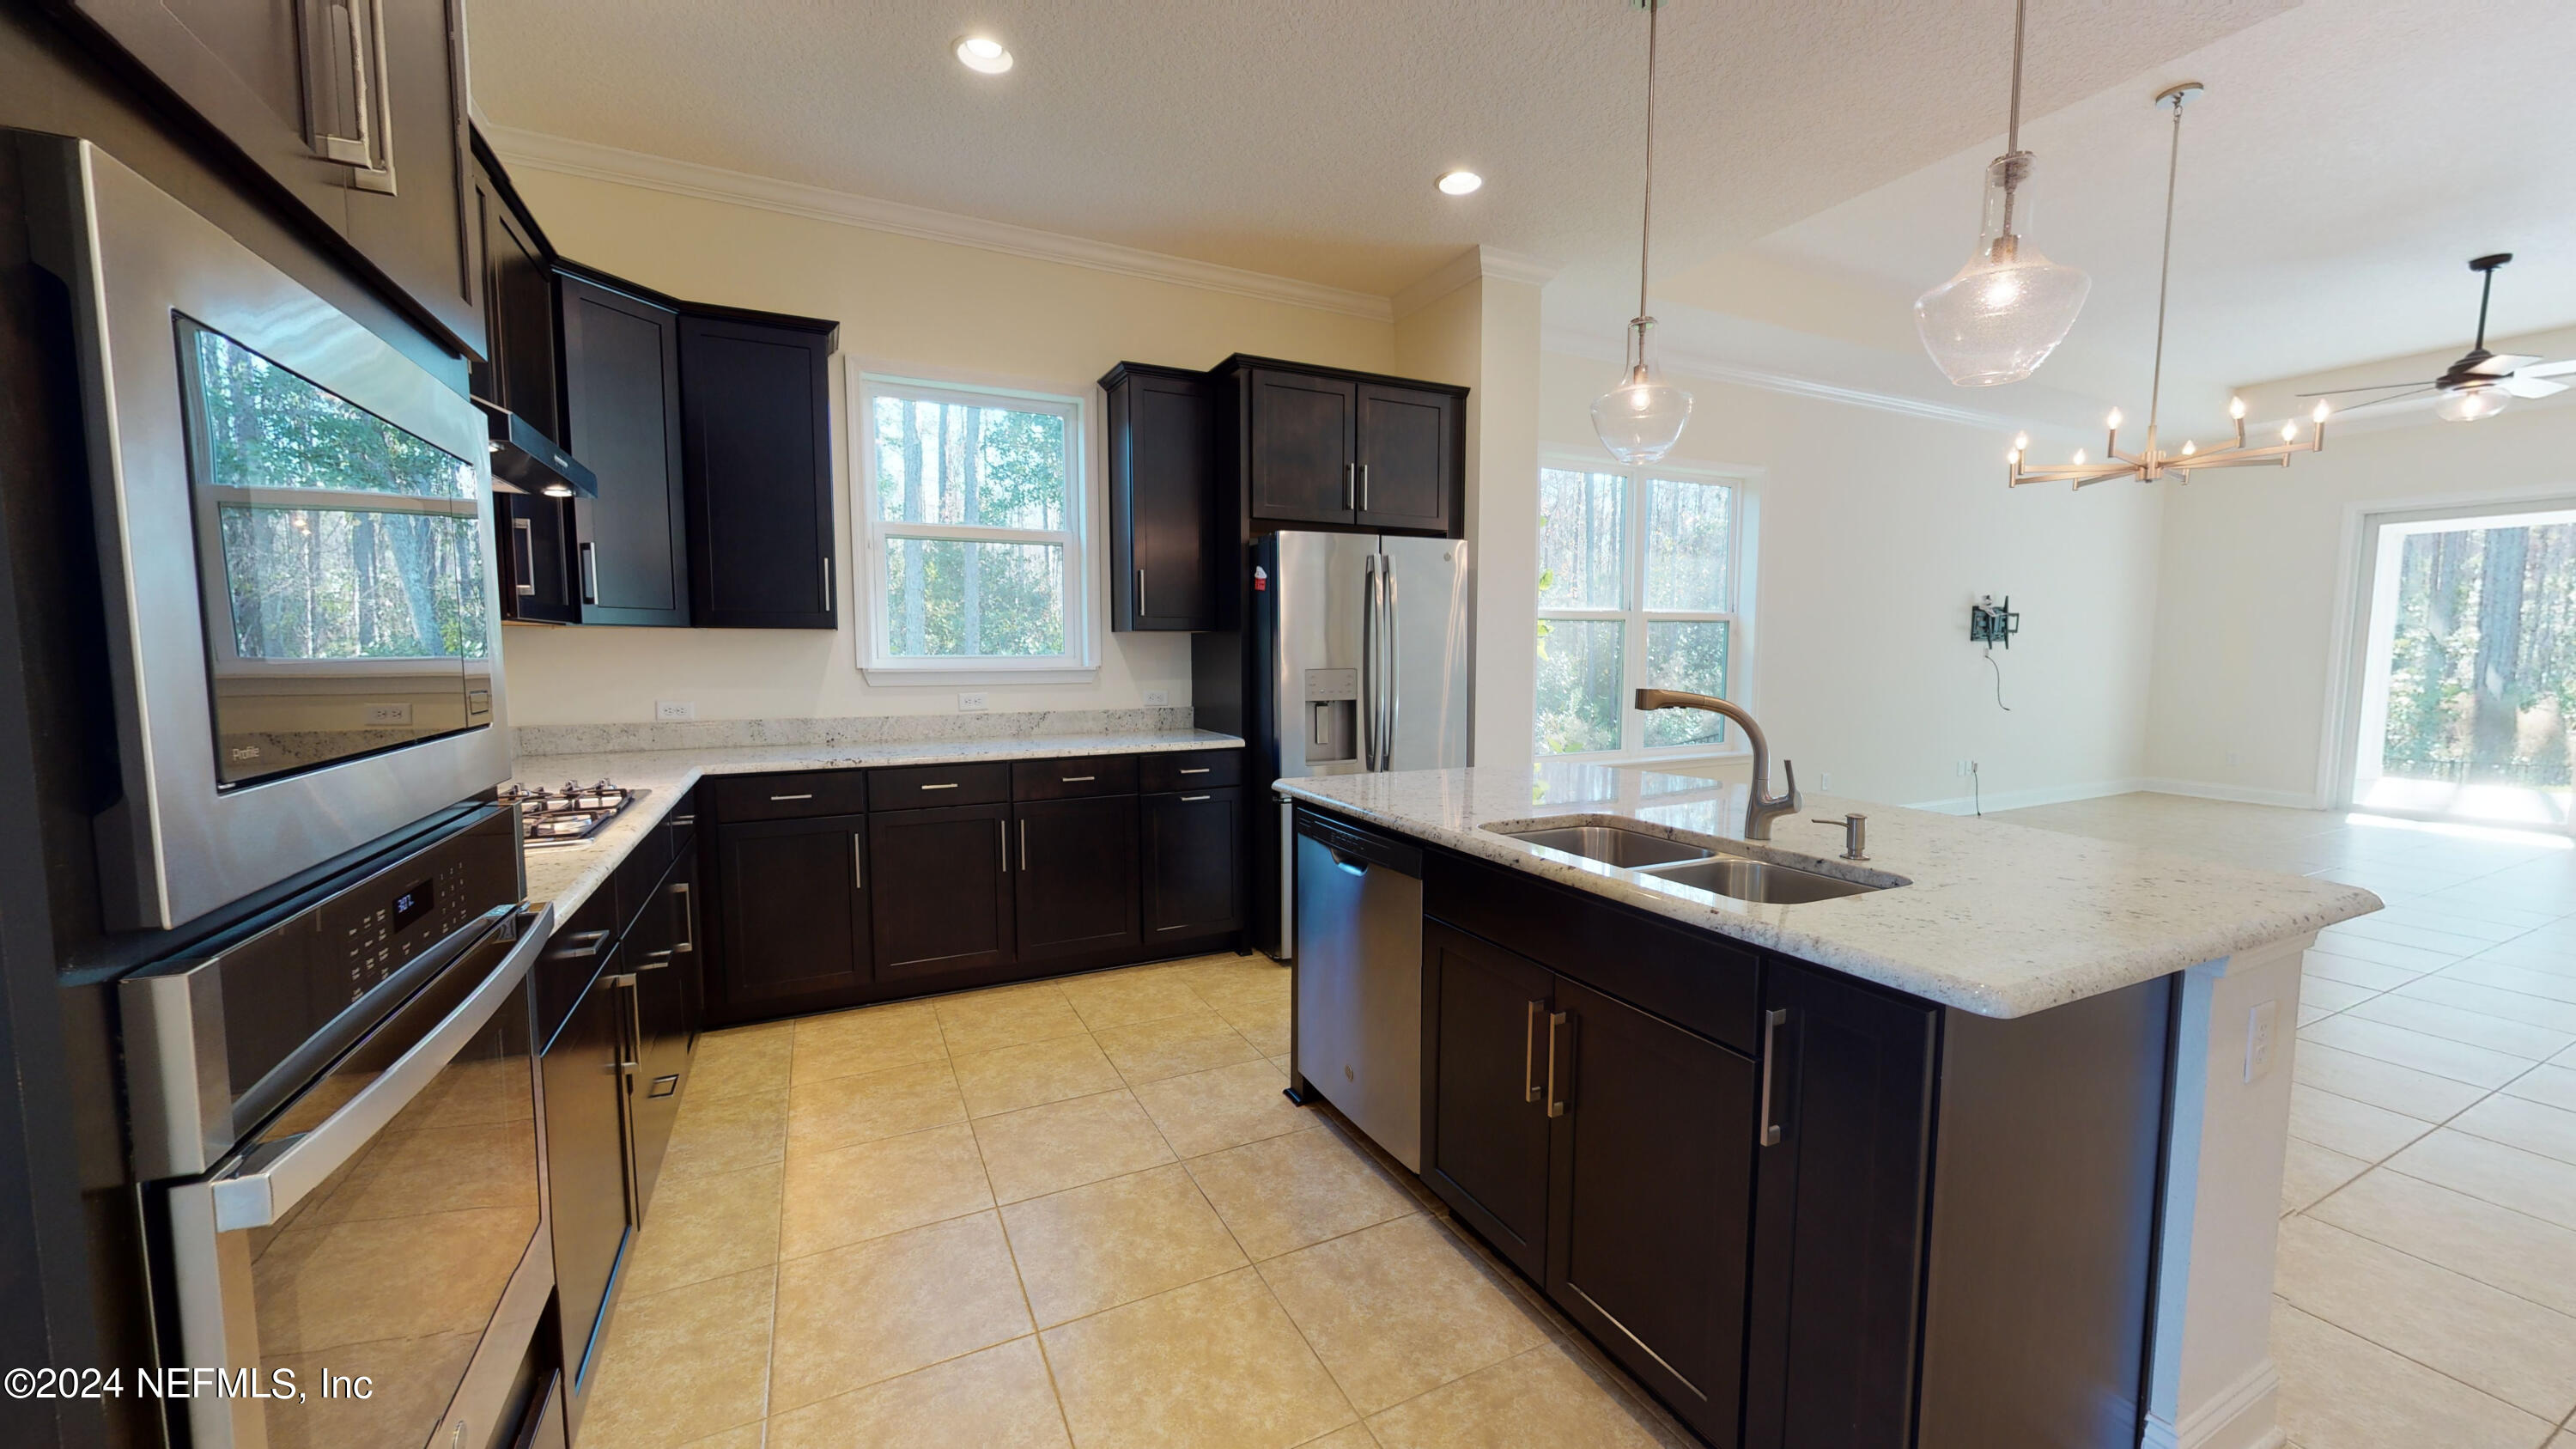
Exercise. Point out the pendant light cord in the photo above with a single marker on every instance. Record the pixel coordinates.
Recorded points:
(2013, 164)
(2012, 128)
(2164, 269)
(1646, 222)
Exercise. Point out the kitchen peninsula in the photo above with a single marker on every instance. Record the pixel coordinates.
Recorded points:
(1986, 1151)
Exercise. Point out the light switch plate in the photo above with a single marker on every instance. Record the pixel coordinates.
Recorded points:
(971, 702)
(674, 709)
(1158, 696)
(2262, 1033)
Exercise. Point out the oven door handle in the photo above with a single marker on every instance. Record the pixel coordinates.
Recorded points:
(268, 1186)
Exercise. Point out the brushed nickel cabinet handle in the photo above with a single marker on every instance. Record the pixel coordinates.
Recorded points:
(688, 918)
(951, 785)
(1529, 1053)
(858, 865)
(1024, 845)
(1080, 779)
(523, 534)
(808, 795)
(1188, 799)
(1004, 827)
(827, 583)
(1768, 1134)
(1364, 488)
(1555, 1103)
(589, 573)
(1200, 770)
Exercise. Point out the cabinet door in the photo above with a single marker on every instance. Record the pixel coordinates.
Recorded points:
(756, 456)
(622, 420)
(1650, 1199)
(1838, 1225)
(943, 890)
(1193, 864)
(1076, 864)
(795, 908)
(536, 559)
(586, 1162)
(1301, 447)
(1408, 457)
(661, 949)
(1164, 502)
(518, 366)
(409, 216)
(1484, 1066)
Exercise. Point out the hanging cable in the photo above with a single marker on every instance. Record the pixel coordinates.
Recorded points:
(1999, 679)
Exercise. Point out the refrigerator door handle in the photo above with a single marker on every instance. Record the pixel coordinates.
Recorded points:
(1394, 662)
(1368, 662)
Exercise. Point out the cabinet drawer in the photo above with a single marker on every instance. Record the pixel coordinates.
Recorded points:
(790, 797)
(1073, 778)
(915, 786)
(1192, 770)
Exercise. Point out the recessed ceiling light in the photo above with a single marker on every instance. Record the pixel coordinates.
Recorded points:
(983, 53)
(1459, 183)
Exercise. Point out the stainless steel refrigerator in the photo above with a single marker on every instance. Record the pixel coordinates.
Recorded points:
(1361, 659)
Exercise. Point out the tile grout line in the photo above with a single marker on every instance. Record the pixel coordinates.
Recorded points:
(2405, 1357)
(2406, 1252)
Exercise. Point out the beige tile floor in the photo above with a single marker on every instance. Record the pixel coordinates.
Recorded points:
(1067, 1213)
(2426, 1293)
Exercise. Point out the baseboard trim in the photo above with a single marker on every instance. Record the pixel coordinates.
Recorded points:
(2235, 794)
(2243, 1416)
(2043, 795)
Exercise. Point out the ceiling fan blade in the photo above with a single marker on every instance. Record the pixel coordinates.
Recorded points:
(2500, 363)
(2379, 387)
(2560, 368)
(2392, 397)
(2523, 384)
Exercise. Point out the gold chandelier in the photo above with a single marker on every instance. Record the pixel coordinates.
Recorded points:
(2152, 462)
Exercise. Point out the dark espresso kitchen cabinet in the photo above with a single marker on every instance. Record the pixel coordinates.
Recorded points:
(1324, 445)
(944, 900)
(1650, 1198)
(1299, 446)
(1170, 517)
(353, 109)
(517, 374)
(621, 382)
(1075, 869)
(588, 1173)
(1837, 1284)
(1484, 1149)
(1406, 439)
(1193, 864)
(661, 950)
(796, 904)
(756, 459)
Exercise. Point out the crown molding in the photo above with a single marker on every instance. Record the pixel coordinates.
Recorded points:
(538, 151)
(1473, 264)
(1574, 342)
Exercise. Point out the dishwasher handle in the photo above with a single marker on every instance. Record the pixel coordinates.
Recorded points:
(1346, 863)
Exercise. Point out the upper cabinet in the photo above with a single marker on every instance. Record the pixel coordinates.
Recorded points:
(621, 394)
(354, 109)
(1325, 446)
(1169, 514)
(755, 407)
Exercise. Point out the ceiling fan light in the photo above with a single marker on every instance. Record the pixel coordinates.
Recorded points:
(2470, 404)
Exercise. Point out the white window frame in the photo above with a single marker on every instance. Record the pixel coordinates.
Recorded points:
(871, 532)
(1742, 546)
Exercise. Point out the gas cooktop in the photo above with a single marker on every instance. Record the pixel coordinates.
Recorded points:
(567, 814)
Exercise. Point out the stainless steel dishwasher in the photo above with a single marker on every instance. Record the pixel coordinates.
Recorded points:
(1359, 978)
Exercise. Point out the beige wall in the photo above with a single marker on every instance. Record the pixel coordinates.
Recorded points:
(2254, 589)
(906, 304)
(1877, 529)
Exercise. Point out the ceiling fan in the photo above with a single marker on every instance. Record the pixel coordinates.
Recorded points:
(2480, 383)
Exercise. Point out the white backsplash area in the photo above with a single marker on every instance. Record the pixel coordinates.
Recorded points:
(590, 739)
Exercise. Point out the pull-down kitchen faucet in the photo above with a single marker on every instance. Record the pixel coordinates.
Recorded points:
(1759, 806)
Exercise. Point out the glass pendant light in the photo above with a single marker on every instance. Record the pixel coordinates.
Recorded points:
(2009, 307)
(1641, 418)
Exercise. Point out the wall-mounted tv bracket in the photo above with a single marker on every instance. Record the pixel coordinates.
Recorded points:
(1990, 623)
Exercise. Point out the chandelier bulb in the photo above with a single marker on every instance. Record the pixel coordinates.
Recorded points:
(2079, 457)
(2236, 408)
(2321, 414)
(2021, 442)
(2114, 420)
(2188, 448)
(2289, 432)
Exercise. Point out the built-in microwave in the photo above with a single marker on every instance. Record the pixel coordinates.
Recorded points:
(294, 525)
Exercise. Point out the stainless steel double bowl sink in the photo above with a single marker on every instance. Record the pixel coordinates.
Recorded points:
(1709, 868)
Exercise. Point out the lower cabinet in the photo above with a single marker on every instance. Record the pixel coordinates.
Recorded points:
(1075, 890)
(588, 1175)
(944, 898)
(795, 908)
(1193, 864)
(1839, 1215)
(1606, 1153)
(660, 950)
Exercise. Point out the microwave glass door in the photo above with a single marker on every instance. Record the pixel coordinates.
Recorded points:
(340, 565)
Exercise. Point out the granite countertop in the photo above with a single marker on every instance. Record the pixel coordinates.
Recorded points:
(567, 874)
(2001, 920)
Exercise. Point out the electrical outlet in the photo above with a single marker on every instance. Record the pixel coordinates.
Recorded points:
(1158, 696)
(674, 709)
(1824, 779)
(389, 714)
(2261, 1029)
(2234, 758)
(1960, 769)
(971, 702)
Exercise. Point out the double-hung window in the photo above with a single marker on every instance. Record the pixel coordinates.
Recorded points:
(973, 511)
(1640, 579)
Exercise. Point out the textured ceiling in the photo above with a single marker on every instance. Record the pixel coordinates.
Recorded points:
(2347, 160)
(1301, 139)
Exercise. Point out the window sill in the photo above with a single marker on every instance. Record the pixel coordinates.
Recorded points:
(979, 673)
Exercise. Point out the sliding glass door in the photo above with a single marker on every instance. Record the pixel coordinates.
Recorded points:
(2468, 688)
